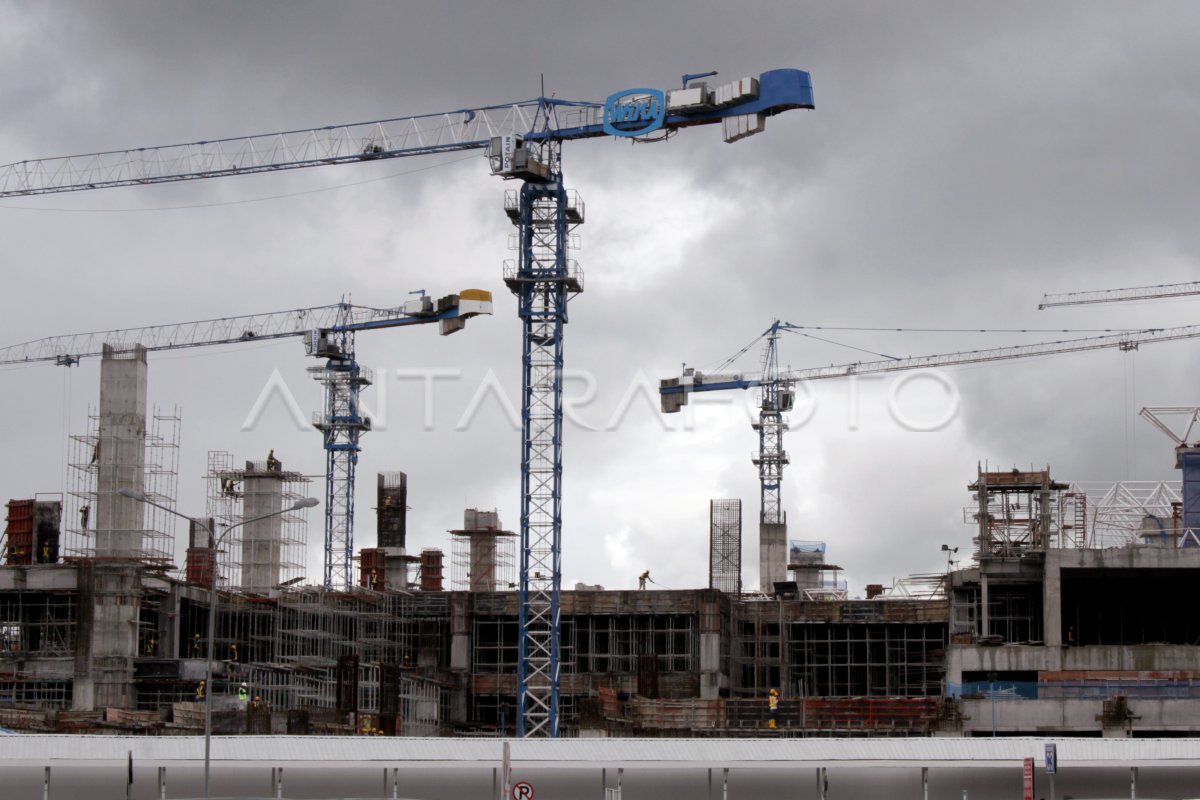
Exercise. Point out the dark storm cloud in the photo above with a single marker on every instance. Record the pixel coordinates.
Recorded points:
(962, 160)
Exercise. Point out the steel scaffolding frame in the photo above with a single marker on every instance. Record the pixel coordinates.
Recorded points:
(725, 546)
(226, 502)
(159, 471)
(865, 660)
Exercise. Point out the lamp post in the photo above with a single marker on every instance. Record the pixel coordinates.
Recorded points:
(213, 543)
(950, 552)
(992, 685)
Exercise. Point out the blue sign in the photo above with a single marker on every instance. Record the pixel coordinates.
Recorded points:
(634, 112)
(1051, 758)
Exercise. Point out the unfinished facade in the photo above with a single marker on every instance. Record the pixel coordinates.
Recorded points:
(1057, 624)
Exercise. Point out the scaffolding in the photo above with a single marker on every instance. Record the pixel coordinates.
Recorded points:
(725, 546)
(315, 627)
(482, 556)
(391, 509)
(1014, 511)
(151, 539)
(866, 660)
(38, 625)
(379, 690)
(257, 556)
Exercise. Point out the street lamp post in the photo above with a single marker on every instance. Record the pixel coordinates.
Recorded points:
(214, 543)
(992, 685)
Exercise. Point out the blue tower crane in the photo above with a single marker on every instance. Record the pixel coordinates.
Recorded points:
(523, 141)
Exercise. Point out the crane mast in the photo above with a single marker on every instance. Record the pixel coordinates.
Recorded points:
(775, 398)
(543, 281)
(523, 141)
(341, 425)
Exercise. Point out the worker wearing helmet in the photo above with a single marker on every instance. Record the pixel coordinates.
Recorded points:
(773, 701)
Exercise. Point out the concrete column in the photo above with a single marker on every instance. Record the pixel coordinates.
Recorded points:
(168, 625)
(710, 666)
(261, 545)
(483, 561)
(1052, 600)
(709, 629)
(110, 603)
(985, 622)
(119, 455)
(772, 555)
(460, 655)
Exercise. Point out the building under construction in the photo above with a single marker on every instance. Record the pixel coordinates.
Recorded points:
(1069, 619)
(1066, 616)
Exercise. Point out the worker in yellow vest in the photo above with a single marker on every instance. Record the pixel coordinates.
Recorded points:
(773, 704)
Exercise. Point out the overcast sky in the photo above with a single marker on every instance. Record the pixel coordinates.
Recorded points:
(962, 160)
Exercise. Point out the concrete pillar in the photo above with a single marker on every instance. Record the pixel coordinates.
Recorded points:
(1052, 601)
(168, 625)
(772, 555)
(710, 666)
(261, 545)
(120, 453)
(110, 602)
(709, 630)
(460, 655)
(985, 622)
(483, 561)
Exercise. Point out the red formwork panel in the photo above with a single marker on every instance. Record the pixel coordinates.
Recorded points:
(19, 532)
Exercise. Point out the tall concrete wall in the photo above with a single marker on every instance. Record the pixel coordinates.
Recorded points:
(483, 561)
(120, 453)
(110, 604)
(772, 555)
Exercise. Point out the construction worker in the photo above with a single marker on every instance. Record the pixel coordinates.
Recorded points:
(243, 693)
(273, 464)
(196, 646)
(84, 512)
(645, 576)
(773, 706)
(233, 653)
(200, 691)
